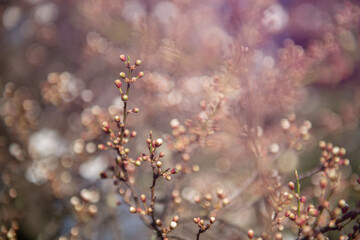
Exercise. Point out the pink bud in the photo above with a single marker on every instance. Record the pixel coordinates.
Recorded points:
(122, 57)
(250, 234)
(118, 83)
(101, 147)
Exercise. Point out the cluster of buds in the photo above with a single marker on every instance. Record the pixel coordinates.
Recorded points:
(283, 205)
(166, 230)
(201, 223)
(311, 219)
(139, 210)
(127, 78)
(154, 158)
(338, 211)
(125, 165)
(210, 203)
(332, 157)
(299, 214)
(297, 135)
(117, 138)
(251, 235)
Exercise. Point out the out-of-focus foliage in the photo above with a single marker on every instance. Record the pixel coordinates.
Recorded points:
(241, 91)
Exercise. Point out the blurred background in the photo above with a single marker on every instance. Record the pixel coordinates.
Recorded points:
(260, 62)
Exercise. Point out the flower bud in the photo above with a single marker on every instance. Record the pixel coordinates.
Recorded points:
(342, 203)
(313, 212)
(322, 145)
(335, 150)
(143, 198)
(158, 142)
(105, 125)
(173, 225)
(138, 62)
(126, 132)
(323, 183)
(125, 97)
(225, 201)
(325, 204)
(132, 209)
(122, 57)
(122, 75)
(158, 222)
(342, 151)
(220, 193)
(336, 212)
(250, 233)
(118, 83)
(135, 110)
(101, 146)
(329, 146)
(212, 220)
(140, 74)
(287, 214)
(291, 186)
(300, 220)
